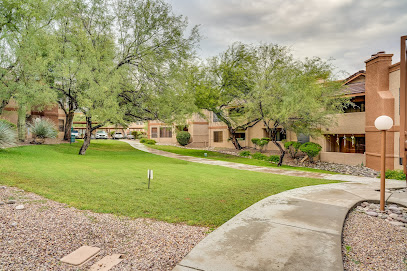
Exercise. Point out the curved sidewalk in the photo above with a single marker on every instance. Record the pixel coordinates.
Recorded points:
(299, 229)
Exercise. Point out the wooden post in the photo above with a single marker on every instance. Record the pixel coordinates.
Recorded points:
(383, 171)
(403, 102)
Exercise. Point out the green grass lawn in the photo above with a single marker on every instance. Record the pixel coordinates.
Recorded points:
(112, 178)
(230, 158)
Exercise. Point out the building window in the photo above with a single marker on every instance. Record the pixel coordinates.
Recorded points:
(359, 105)
(139, 123)
(346, 143)
(240, 135)
(280, 135)
(218, 136)
(165, 132)
(215, 118)
(61, 126)
(154, 133)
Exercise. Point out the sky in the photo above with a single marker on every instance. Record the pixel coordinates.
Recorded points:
(347, 31)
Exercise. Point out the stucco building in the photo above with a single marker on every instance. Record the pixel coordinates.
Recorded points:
(353, 140)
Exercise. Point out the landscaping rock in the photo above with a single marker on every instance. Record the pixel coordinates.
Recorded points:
(1, 203)
(11, 201)
(20, 207)
(14, 224)
(394, 216)
(372, 213)
(395, 210)
(395, 223)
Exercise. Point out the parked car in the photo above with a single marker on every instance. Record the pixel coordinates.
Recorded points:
(101, 135)
(117, 135)
(75, 133)
(130, 136)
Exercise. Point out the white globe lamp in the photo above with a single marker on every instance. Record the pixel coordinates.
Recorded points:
(383, 123)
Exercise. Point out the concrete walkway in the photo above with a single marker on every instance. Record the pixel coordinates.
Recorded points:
(299, 229)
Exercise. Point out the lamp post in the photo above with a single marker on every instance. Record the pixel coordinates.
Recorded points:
(383, 123)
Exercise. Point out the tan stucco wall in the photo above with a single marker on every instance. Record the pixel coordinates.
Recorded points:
(348, 123)
(343, 158)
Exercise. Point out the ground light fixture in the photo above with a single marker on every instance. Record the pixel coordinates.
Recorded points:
(383, 123)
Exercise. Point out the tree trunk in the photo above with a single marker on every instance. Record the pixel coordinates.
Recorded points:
(282, 152)
(68, 125)
(86, 139)
(234, 139)
(21, 122)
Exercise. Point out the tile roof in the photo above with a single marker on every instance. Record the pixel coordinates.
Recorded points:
(354, 88)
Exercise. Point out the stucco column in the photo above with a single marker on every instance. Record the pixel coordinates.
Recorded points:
(379, 101)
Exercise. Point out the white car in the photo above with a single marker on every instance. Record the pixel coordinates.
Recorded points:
(101, 135)
(75, 133)
(117, 135)
(130, 136)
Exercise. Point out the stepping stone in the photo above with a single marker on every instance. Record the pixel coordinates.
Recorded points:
(80, 255)
(107, 263)
(20, 207)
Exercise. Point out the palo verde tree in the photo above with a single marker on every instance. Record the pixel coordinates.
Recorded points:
(154, 55)
(121, 61)
(293, 95)
(24, 44)
(223, 85)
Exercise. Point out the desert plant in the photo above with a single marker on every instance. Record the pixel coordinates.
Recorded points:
(274, 158)
(311, 149)
(244, 153)
(183, 138)
(42, 129)
(150, 142)
(12, 125)
(259, 156)
(8, 135)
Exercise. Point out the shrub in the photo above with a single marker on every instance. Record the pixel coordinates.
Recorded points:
(395, 174)
(292, 147)
(260, 142)
(244, 153)
(311, 149)
(8, 135)
(143, 140)
(259, 156)
(150, 142)
(183, 138)
(135, 134)
(12, 125)
(274, 158)
(112, 133)
(42, 129)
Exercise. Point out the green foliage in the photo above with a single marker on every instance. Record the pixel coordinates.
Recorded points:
(12, 125)
(395, 175)
(261, 142)
(244, 153)
(274, 158)
(292, 147)
(259, 156)
(112, 133)
(183, 138)
(311, 149)
(43, 128)
(8, 134)
(255, 141)
(150, 142)
(143, 140)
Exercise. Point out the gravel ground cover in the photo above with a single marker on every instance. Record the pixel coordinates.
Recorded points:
(372, 243)
(37, 236)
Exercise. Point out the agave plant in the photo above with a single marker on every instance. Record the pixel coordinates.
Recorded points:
(42, 129)
(8, 135)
